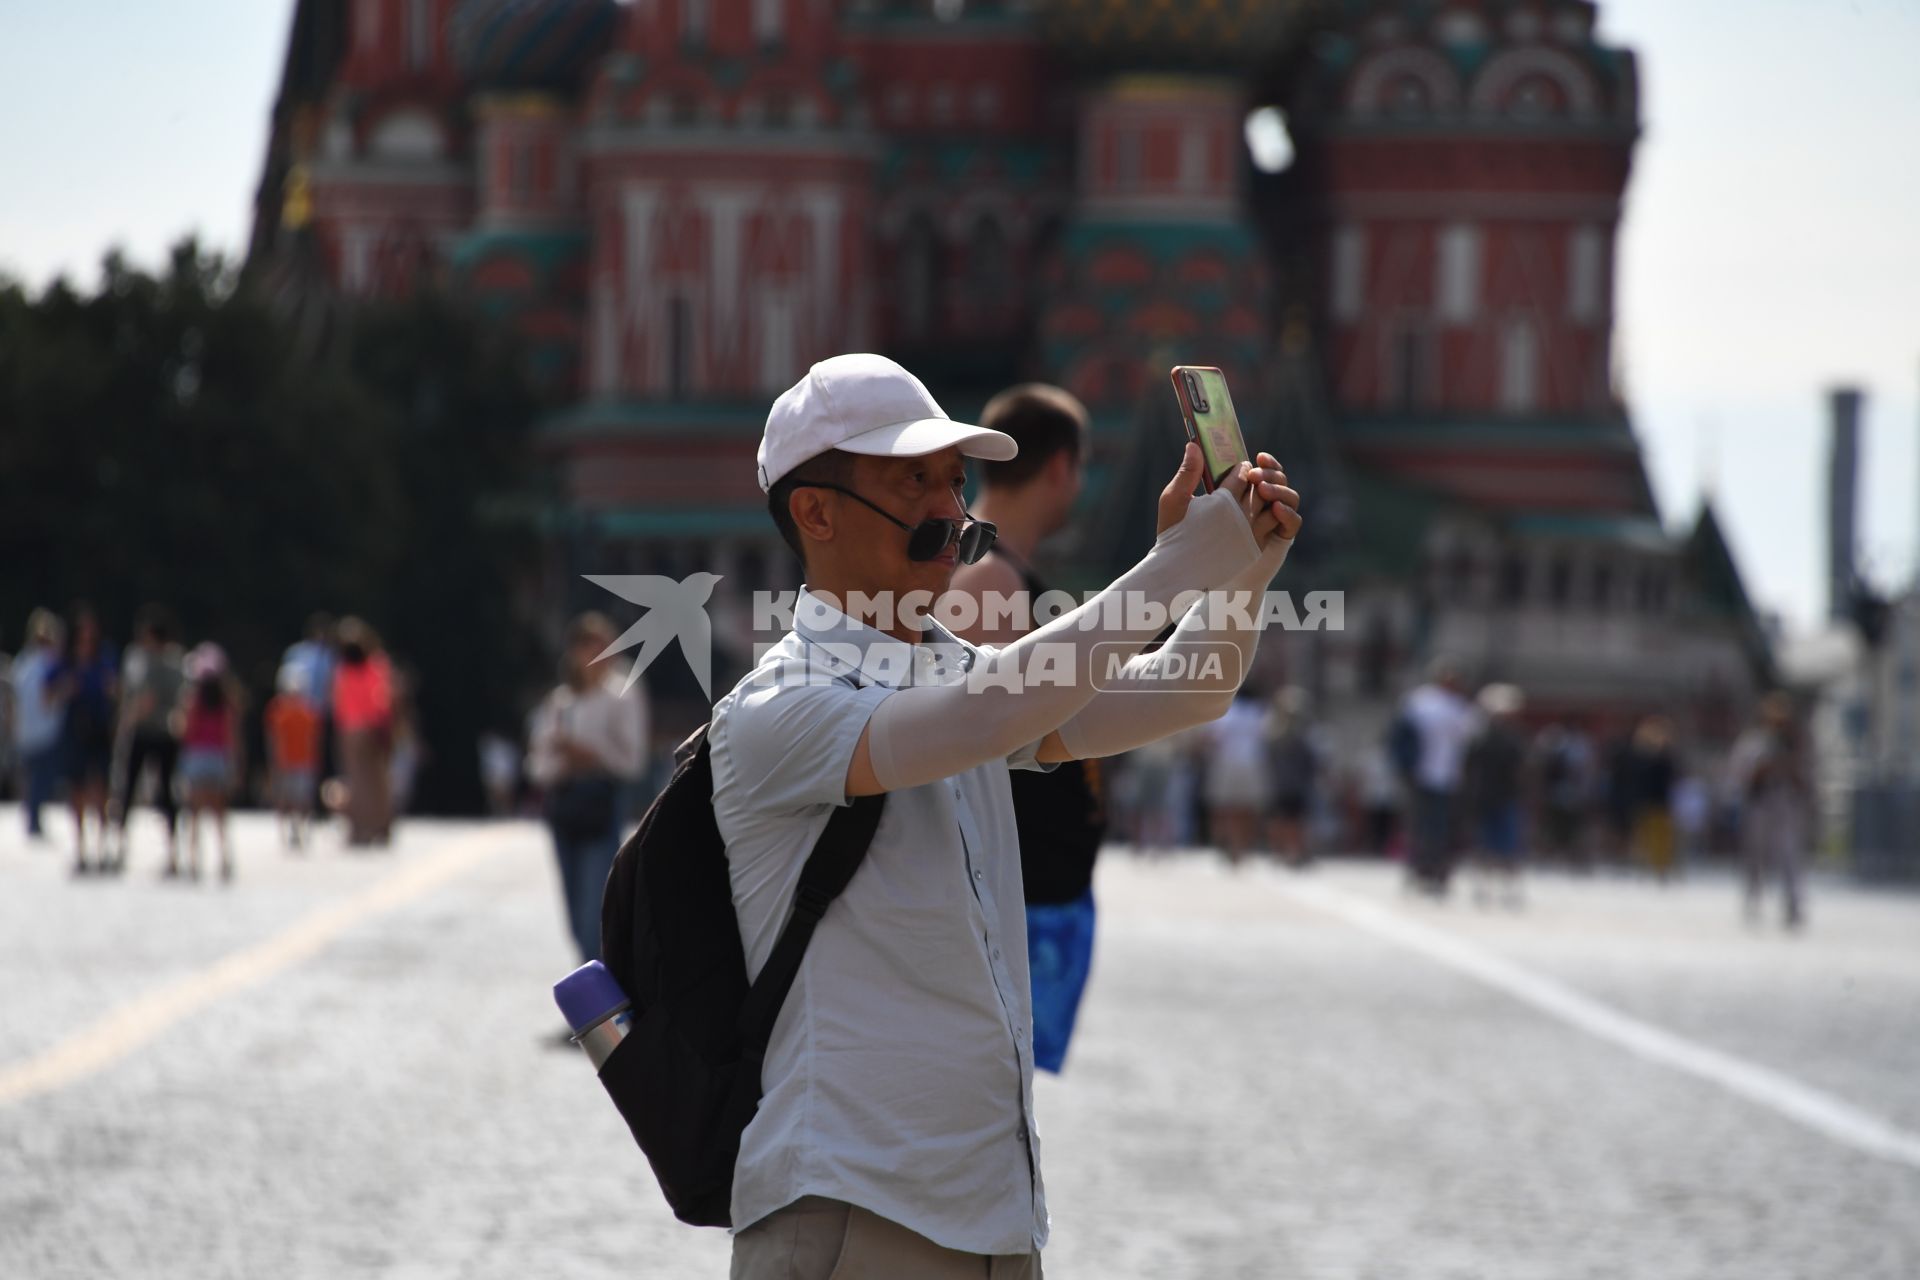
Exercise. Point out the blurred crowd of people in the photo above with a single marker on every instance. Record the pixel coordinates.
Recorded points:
(1456, 780)
(1460, 780)
(105, 730)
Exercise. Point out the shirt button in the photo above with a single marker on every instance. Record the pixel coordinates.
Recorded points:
(1023, 1133)
(996, 953)
(979, 875)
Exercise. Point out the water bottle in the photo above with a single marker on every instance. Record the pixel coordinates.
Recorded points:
(596, 1008)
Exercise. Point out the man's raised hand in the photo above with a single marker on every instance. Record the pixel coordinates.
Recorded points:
(1178, 495)
(1271, 507)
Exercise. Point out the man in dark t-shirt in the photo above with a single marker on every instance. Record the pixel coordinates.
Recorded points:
(1061, 816)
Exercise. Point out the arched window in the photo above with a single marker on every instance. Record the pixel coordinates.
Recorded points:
(1651, 590)
(1586, 273)
(769, 21)
(989, 267)
(919, 278)
(679, 348)
(366, 24)
(1513, 578)
(1404, 82)
(337, 142)
(1534, 98)
(1519, 367)
(1600, 585)
(1458, 263)
(1535, 81)
(420, 34)
(942, 104)
(1194, 145)
(986, 103)
(1460, 573)
(1459, 27)
(407, 135)
(1559, 580)
(519, 169)
(1410, 367)
(1349, 271)
(1126, 158)
(1407, 97)
(778, 323)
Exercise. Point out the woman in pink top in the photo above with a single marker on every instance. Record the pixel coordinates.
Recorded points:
(363, 716)
(209, 754)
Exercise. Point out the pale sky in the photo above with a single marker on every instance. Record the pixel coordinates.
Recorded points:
(1771, 246)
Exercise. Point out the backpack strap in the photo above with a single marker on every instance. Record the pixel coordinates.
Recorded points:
(835, 857)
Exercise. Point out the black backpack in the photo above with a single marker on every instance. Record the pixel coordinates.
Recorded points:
(687, 1077)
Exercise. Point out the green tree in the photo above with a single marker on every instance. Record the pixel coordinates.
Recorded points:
(458, 448)
(163, 439)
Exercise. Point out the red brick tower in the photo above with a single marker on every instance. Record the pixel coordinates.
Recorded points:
(1464, 166)
(388, 185)
(1451, 221)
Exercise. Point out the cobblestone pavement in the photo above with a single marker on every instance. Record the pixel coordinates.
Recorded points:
(341, 1065)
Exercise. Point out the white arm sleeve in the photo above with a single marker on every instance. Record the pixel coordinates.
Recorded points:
(1146, 705)
(1017, 695)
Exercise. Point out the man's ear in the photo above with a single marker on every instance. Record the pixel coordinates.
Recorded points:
(1068, 475)
(813, 512)
(1060, 468)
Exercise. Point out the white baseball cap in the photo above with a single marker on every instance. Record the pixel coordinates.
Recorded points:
(865, 404)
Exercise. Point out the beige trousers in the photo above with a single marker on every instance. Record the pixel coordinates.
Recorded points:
(819, 1239)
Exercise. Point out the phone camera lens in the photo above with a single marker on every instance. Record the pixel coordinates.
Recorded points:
(1195, 393)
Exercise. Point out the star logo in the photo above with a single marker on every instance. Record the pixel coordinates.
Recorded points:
(675, 611)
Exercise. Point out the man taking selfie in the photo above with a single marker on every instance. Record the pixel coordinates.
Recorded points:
(895, 1132)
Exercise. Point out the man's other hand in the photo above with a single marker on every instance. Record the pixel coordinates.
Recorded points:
(1273, 507)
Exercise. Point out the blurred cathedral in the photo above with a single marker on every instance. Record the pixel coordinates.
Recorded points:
(680, 204)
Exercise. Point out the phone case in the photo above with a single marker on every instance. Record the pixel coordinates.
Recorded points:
(1211, 423)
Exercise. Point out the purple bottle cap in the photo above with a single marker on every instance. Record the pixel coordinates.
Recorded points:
(587, 995)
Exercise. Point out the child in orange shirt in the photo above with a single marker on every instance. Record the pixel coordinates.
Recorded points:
(293, 748)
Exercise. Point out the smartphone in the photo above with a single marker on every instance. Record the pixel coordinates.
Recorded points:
(1211, 423)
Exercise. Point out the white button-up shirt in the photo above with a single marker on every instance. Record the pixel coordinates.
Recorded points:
(899, 1076)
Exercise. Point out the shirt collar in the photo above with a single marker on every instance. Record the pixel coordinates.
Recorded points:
(844, 645)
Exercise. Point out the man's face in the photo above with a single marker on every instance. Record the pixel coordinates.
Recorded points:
(872, 551)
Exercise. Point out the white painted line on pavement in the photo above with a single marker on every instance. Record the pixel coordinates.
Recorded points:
(1814, 1108)
(122, 1030)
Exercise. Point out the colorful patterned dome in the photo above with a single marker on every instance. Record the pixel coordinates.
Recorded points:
(529, 44)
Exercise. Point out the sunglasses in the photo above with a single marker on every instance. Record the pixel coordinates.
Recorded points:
(930, 538)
